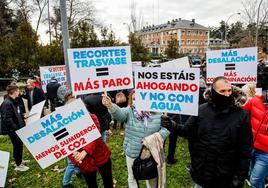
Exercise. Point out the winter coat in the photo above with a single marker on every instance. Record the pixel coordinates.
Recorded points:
(262, 76)
(52, 88)
(97, 153)
(95, 106)
(259, 122)
(38, 96)
(221, 143)
(135, 130)
(11, 116)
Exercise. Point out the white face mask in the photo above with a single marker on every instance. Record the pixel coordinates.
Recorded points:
(134, 103)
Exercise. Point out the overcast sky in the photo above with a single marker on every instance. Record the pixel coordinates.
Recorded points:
(113, 13)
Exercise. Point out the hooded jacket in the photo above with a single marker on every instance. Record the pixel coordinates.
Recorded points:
(220, 143)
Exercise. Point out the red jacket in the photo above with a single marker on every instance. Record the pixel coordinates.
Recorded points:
(97, 153)
(259, 120)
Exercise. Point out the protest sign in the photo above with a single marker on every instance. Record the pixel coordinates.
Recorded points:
(167, 90)
(100, 69)
(47, 72)
(238, 65)
(59, 134)
(4, 156)
(177, 63)
(35, 112)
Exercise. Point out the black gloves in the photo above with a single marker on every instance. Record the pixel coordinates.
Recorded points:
(167, 123)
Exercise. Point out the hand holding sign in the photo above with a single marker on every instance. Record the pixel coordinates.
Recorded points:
(166, 122)
(106, 101)
(79, 156)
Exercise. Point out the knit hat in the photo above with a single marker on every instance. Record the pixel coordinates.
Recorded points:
(62, 94)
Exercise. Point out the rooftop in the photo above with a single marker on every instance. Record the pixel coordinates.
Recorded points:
(173, 24)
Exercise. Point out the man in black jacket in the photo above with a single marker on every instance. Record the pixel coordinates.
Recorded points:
(52, 88)
(221, 139)
(12, 120)
(94, 105)
(33, 94)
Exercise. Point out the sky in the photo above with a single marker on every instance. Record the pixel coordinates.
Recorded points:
(114, 13)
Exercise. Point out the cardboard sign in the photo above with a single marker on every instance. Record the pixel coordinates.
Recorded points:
(59, 134)
(4, 156)
(167, 90)
(238, 65)
(48, 71)
(35, 113)
(100, 69)
(177, 63)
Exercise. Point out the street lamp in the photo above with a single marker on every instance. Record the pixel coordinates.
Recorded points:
(258, 15)
(225, 28)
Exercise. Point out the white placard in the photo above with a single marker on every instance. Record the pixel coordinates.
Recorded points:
(177, 63)
(167, 90)
(47, 72)
(4, 156)
(100, 69)
(35, 113)
(59, 134)
(238, 65)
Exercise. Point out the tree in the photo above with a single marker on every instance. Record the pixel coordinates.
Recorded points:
(250, 13)
(24, 10)
(236, 33)
(25, 44)
(138, 51)
(84, 35)
(51, 54)
(172, 50)
(41, 4)
(77, 12)
(8, 23)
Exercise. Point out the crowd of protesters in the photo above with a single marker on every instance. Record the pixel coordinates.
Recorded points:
(228, 140)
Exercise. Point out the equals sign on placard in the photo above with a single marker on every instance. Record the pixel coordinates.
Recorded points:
(102, 71)
(230, 66)
(61, 134)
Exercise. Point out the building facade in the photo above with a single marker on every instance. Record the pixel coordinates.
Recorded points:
(192, 38)
(218, 44)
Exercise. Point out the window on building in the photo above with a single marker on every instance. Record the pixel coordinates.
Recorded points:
(182, 41)
(189, 32)
(201, 33)
(193, 42)
(197, 42)
(206, 33)
(188, 41)
(183, 32)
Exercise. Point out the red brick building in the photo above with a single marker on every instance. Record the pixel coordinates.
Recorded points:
(192, 37)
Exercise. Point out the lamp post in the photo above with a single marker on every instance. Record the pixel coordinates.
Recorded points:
(225, 28)
(258, 15)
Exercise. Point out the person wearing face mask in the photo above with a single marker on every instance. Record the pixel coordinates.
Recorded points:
(258, 109)
(221, 138)
(138, 125)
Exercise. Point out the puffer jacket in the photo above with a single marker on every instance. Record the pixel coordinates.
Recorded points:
(259, 122)
(97, 153)
(221, 144)
(135, 130)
